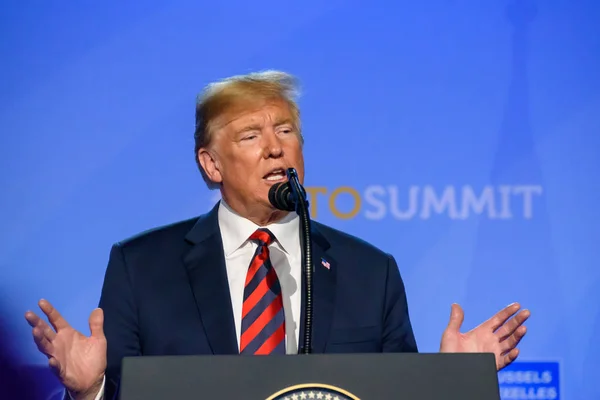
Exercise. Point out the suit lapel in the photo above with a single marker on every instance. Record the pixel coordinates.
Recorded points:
(205, 265)
(324, 280)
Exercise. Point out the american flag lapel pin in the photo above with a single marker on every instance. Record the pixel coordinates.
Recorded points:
(325, 263)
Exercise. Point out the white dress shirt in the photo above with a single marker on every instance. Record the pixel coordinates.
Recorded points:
(285, 254)
(285, 257)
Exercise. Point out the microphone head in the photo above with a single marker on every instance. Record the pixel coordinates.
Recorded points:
(280, 196)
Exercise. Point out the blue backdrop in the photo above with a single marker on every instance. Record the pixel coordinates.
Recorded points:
(459, 135)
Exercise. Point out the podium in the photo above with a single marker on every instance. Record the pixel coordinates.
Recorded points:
(401, 376)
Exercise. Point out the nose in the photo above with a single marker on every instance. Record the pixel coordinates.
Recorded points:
(272, 146)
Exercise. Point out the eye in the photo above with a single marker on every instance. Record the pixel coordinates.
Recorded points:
(249, 137)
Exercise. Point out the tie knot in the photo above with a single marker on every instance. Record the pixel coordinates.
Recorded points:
(263, 236)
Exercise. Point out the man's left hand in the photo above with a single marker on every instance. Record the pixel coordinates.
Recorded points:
(499, 335)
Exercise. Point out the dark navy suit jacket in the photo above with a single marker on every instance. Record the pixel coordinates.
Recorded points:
(166, 293)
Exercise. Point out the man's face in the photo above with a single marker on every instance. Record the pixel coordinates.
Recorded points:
(250, 152)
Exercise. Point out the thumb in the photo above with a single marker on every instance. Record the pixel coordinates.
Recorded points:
(96, 322)
(54, 366)
(457, 317)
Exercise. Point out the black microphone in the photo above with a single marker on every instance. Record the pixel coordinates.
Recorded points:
(287, 196)
(291, 196)
(280, 196)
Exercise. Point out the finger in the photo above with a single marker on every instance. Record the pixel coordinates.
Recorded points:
(42, 342)
(513, 340)
(96, 322)
(457, 317)
(36, 322)
(502, 316)
(511, 326)
(57, 321)
(32, 318)
(507, 359)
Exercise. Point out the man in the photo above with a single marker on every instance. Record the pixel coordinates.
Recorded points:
(228, 282)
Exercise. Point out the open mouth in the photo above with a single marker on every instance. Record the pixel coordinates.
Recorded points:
(275, 175)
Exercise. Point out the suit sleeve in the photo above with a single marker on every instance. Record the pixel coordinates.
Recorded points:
(398, 334)
(121, 328)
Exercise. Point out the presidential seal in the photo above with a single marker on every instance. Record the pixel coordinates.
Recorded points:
(316, 391)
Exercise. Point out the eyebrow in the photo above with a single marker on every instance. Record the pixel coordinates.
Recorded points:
(254, 127)
(283, 121)
(286, 121)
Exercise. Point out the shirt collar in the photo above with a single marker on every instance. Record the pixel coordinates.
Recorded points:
(235, 231)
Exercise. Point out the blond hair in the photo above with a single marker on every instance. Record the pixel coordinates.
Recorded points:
(241, 93)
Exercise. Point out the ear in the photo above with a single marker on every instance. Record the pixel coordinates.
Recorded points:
(210, 164)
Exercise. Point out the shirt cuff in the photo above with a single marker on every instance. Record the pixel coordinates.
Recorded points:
(100, 395)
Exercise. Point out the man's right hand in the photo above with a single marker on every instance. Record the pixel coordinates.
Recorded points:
(79, 361)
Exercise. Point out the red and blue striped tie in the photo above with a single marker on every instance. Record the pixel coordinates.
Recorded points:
(263, 319)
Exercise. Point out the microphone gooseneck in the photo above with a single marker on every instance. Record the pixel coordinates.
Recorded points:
(291, 196)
